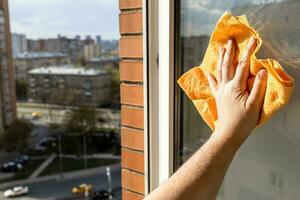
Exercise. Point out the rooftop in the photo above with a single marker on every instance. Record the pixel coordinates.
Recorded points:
(105, 58)
(34, 55)
(67, 70)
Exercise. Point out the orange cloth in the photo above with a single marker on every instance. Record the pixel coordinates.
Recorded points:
(195, 83)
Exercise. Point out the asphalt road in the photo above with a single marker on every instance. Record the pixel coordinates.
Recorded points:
(59, 190)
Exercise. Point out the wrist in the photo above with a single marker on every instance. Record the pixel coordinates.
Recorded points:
(230, 138)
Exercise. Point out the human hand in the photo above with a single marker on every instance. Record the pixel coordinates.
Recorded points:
(238, 109)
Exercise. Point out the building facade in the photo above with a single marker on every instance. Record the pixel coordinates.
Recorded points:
(26, 61)
(80, 86)
(7, 88)
(19, 43)
(92, 51)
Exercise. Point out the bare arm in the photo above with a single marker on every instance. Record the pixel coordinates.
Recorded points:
(238, 113)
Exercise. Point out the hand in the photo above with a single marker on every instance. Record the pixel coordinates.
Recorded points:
(238, 109)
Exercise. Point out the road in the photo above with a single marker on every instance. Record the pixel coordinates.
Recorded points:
(59, 190)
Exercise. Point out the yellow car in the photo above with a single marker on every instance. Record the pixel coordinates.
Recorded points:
(36, 115)
(82, 188)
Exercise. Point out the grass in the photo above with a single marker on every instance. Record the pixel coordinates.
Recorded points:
(76, 164)
(26, 171)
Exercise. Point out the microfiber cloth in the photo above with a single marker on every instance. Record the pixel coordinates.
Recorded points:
(195, 84)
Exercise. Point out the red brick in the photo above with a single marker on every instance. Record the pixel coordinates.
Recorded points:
(133, 181)
(133, 160)
(132, 94)
(133, 117)
(131, 22)
(127, 195)
(130, 4)
(133, 139)
(131, 71)
(131, 47)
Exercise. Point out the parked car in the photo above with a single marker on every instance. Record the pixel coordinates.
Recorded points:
(101, 195)
(23, 159)
(16, 191)
(82, 188)
(11, 167)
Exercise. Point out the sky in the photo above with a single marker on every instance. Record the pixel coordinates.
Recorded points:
(48, 18)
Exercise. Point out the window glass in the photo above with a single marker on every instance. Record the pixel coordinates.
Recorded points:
(267, 166)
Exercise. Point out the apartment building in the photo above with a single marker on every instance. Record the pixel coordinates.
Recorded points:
(160, 127)
(92, 51)
(79, 86)
(26, 61)
(19, 43)
(7, 87)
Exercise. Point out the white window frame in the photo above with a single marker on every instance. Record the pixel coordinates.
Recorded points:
(158, 34)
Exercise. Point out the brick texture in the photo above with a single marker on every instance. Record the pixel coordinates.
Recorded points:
(133, 139)
(133, 117)
(130, 4)
(132, 100)
(132, 94)
(131, 22)
(133, 181)
(131, 71)
(127, 195)
(131, 47)
(133, 160)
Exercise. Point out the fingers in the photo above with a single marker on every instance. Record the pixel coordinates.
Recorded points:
(219, 65)
(242, 70)
(228, 66)
(257, 94)
(212, 83)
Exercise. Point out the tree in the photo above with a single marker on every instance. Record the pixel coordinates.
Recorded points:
(16, 135)
(21, 90)
(80, 120)
(115, 85)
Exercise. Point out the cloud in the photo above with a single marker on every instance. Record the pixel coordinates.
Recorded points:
(47, 18)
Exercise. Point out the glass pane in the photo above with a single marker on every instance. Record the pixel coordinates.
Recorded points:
(267, 166)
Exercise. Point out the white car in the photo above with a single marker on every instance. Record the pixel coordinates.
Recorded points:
(16, 191)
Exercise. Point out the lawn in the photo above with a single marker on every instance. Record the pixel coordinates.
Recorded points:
(76, 164)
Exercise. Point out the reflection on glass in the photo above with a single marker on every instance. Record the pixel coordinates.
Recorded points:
(267, 166)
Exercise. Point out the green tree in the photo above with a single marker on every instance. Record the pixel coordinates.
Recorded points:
(16, 135)
(80, 120)
(115, 85)
(21, 90)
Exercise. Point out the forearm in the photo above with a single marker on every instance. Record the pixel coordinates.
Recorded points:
(201, 176)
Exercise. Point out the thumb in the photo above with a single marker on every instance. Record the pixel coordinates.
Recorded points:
(258, 91)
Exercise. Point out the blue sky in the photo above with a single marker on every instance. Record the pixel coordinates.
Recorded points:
(48, 18)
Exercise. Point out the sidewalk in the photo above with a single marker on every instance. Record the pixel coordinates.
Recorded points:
(41, 168)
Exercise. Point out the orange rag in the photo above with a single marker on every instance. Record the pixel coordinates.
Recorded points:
(195, 84)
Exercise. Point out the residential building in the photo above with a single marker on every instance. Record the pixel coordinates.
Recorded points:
(79, 86)
(26, 61)
(104, 62)
(7, 86)
(19, 43)
(92, 51)
(160, 127)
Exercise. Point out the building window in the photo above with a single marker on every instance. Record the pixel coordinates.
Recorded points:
(275, 144)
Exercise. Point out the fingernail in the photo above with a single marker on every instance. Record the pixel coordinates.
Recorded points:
(263, 74)
(252, 40)
(230, 40)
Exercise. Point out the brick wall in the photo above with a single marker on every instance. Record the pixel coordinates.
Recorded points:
(132, 116)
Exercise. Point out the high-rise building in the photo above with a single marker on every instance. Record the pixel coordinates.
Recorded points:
(7, 85)
(19, 43)
(98, 39)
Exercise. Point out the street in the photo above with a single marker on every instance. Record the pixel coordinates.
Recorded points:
(58, 190)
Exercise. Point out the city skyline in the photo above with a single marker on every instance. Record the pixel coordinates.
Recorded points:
(29, 18)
